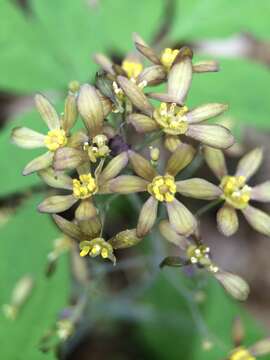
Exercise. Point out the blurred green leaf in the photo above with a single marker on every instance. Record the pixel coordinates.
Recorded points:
(25, 243)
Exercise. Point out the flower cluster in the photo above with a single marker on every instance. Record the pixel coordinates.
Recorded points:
(106, 158)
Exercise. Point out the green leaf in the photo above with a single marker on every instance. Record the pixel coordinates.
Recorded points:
(25, 243)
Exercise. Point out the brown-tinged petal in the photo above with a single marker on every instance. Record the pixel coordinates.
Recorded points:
(91, 228)
(180, 158)
(114, 167)
(69, 228)
(163, 97)
(141, 166)
(181, 218)
(238, 332)
(142, 123)
(227, 220)
(171, 142)
(147, 216)
(145, 49)
(56, 179)
(260, 348)
(258, 219)
(152, 75)
(68, 158)
(205, 112)
(70, 112)
(179, 80)
(198, 189)
(126, 184)
(90, 109)
(233, 284)
(106, 104)
(216, 136)
(135, 95)
(205, 66)
(39, 163)
(215, 159)
(86, 210)
(171, 235)
(56, 204)
(250, 163)
(104, 62)
(77, 139)
(27, 138)
(47, 112)
(261, 192)
(125, 239)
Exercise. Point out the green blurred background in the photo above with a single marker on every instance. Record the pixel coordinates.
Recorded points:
(44, 44)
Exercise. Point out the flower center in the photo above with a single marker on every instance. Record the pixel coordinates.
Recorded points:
(167, 57)
(84, 187)
(55, 139)
(98, 149)
(172, 118)
(132, 69)
(199, 254)
(163, 188)
(96, 247)
(235, 191)
(241, 353)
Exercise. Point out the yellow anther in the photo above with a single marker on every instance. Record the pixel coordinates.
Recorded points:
(96, 249)
(241, 353)
(172, 118)
(163, 188)
(105, 253)
(235, 191)
(168, 56)
(97, 246)
(132, 68)
(84, 187)
(55, 139)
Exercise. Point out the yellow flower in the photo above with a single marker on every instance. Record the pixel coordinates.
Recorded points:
(132, 68)
(241, 353)
(85, 186)
(235, 191)
(163, 188)
(55, 139)
(168, 56)
(96, 247)
(171, 118)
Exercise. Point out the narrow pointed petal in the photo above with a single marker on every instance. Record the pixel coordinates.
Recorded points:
(39, 163)
(215, 159)
(261, 192)
(90, 109)
(55, 179)
(250, 163)
(77, 139)
(227, 220)
(114, 167)
(258, 219)
(91, 228)
(171, 235)
(69, 228)
(181, 219)
(68, 158)
(205, 66)
(163, 97)
(104, 62)
(135, 95)
(57, 204)
(180, 158)
(27, 138)
(47, 112)
(143, 123)
(145, 49)
(86, 210)
(216, 136)
(125, 239)
(70, 112)
(205, 112)
(127, 184)
(233, 284)
(152, 75)
(141, 166)
(147, 217)
(179, 80)
(171, 142)
(106, 104)
(198, 189)
(260, 348)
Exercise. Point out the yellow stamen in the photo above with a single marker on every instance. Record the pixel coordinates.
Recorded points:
(55, 139)
(132, 68)
(172, 118)
(235, 191)
(241, 353)
(84, 187)
(96, 247)
(168, 56)
(99, 148)
(163, 188)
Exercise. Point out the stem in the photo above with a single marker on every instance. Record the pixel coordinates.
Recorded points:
(208, 207)
(149, 140)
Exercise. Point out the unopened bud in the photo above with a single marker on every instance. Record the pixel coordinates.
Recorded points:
(154, 153)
